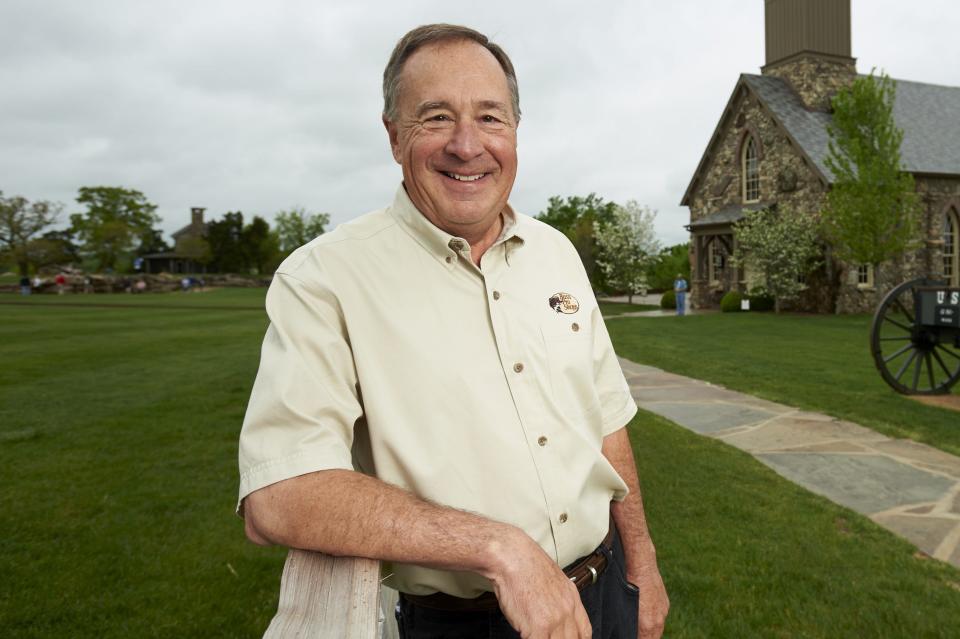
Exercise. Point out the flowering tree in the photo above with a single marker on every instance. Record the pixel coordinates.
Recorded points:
(781, 245)
(296, 227)
(626, 245)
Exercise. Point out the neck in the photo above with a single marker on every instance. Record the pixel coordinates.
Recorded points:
(480, 244)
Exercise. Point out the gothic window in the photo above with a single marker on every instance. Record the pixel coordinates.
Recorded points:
(751, 171)
(951, 253)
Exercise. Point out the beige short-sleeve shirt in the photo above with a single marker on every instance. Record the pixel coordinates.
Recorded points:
(486, 389)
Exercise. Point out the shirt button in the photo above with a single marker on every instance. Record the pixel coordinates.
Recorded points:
(563, 518)
(449, 259)
(518, 367)
(542, 441)
(496, 295)
(575, 327)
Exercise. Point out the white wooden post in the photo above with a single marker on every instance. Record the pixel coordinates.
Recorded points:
(323, 596)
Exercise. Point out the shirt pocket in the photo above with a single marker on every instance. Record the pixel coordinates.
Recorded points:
(569, 347)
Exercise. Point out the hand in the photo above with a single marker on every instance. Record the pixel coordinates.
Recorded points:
(654, 604)
(538, 600)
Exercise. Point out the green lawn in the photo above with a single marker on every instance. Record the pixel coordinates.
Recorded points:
(118, 431)
(815, 362)
(609, 309)
(240, 298)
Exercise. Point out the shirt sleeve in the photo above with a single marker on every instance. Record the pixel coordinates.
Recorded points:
(305, 399)
(616, 402)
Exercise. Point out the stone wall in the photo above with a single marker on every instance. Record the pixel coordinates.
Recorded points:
(785, 178)
(926, 260)
(816, 79)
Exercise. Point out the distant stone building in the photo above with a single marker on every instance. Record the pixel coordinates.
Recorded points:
(188, 250)
(769, 148)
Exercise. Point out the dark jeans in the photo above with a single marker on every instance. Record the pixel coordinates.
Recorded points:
(611, 604)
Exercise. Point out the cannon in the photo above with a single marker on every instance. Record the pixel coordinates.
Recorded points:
(915, 337)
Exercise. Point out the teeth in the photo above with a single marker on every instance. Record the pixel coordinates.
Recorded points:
(465, 178)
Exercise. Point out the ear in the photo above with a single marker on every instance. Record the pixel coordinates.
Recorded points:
(394, 137)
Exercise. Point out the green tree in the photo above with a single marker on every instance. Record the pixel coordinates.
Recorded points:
(575, 217)
(296, 227)
(152, 242)
(626, 245)
(20, 223)
(259, 246)
(781, 245)
(196, 249)
(224, 237)
(872, 211)
(53, 248)
(115, 223)
(663, 268)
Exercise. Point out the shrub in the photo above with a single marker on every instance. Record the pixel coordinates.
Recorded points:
(760, 301)
(730, 302)
(669, 300)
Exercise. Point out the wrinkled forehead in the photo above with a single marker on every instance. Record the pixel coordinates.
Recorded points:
(452, 66)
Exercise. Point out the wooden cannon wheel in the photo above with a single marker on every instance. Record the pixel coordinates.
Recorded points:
(913, 359)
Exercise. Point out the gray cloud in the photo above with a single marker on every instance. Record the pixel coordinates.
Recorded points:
(262, 106)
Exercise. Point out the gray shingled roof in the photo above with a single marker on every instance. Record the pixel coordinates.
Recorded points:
(726, 215)
(928, 114)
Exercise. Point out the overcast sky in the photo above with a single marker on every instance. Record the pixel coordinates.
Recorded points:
(261, 106)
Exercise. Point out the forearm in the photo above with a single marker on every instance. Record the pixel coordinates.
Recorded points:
(346, 513)
(628, 514)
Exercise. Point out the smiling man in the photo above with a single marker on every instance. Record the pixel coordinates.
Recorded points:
(437, 389)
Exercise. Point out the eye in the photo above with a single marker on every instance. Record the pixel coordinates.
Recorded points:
(489, 119)
(440, 117)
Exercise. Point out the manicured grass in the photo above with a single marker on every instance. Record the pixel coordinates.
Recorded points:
(609, 309)
(815, 362)
(745, 553)
(248, 298)
(118, 440)
(118, 433)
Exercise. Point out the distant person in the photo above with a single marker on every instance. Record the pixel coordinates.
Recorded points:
(61, 282)
(141, 286)
(680, 289)
(87, 284)
(37, 282)
(24, 285)
(185, 284)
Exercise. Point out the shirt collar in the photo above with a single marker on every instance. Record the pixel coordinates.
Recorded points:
(443, 246)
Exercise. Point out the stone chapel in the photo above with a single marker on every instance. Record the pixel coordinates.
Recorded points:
(769, 146)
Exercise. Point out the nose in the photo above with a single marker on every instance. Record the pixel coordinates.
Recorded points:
(465, 142)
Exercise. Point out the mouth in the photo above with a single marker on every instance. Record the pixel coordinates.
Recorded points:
(465, 178)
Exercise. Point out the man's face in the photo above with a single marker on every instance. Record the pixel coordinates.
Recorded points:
(455, 135)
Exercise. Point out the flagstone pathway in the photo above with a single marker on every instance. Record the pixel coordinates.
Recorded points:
(909, 488)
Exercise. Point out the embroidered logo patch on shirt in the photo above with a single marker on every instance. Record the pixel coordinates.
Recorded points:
(564, 303)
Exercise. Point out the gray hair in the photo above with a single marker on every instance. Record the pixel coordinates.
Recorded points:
(433, 33)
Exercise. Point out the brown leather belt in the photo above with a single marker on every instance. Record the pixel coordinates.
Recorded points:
(583, 572)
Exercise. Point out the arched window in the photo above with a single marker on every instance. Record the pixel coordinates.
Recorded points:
(750, 166)
(951, 253)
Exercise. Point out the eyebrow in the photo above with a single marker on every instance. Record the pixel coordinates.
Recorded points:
(443, 104)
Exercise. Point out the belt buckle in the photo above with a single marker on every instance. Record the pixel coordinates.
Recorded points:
(593, 575)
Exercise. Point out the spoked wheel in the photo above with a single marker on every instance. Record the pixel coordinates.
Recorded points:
(913, 359)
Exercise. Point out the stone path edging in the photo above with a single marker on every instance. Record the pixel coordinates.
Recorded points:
(908, 488)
